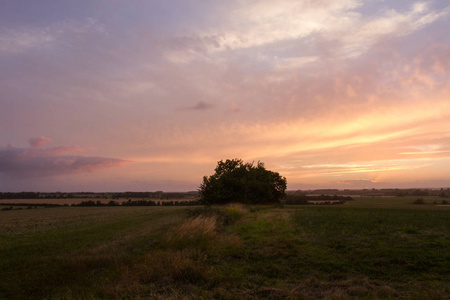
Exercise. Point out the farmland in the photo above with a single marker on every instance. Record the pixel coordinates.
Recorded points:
(370, 247)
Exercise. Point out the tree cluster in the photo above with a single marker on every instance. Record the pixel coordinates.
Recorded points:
(236, 181)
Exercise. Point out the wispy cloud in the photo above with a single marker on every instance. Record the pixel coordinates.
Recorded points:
(13, 41)
(357, 183)
(338, 23)
(18, 40)
(258, 23)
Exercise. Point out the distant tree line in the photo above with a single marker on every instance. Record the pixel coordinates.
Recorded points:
(90, 195)
(21, 195)
(299, 199)
(422, 201)
(130, 202)
(34, 205)
(55, 195)
(393, 192)
(423, 193)
(154, 195)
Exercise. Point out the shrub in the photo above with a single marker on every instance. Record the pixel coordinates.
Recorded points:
(232, 213)
(419, 201)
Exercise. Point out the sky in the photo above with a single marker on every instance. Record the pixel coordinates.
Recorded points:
(147, 95)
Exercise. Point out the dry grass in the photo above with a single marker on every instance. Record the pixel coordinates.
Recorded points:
(201, 225)
(195, 233)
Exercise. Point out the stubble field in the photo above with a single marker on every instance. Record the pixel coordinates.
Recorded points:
(377, 248)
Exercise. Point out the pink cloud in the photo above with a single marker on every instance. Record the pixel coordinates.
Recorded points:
(39, 141)
(233, 107)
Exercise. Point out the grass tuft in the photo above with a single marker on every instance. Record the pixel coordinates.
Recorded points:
(194, 233)
(201, 225)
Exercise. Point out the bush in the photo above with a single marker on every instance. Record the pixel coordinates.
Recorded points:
(234, 181)
(419, 201)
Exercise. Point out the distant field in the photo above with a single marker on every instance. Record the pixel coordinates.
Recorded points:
(376, 248)
(431, 202)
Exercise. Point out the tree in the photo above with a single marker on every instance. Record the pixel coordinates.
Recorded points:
(236, 181)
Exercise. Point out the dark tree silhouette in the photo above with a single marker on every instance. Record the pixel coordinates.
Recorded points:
(236, 181)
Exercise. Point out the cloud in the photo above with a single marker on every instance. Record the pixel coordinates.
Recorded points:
(356, 183)
(39, 141)
(336, 28)
(366, 33)
(200, 105)
(233, 107)
(19, 40)
(261, 23)
(42, 162)
(14, 41)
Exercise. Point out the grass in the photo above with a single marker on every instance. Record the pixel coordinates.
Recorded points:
(60, 249)
(376, 248)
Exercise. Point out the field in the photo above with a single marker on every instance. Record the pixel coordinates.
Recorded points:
(376, 248)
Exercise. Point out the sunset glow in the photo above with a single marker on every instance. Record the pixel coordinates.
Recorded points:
(149, 95)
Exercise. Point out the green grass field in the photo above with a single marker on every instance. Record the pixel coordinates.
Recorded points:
(375, 248)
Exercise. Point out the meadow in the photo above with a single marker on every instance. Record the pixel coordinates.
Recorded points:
(369, 248)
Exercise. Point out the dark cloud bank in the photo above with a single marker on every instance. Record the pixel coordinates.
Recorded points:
(39, 162)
